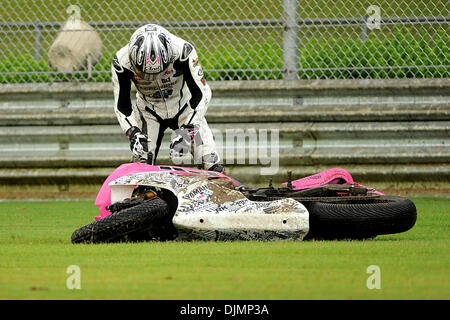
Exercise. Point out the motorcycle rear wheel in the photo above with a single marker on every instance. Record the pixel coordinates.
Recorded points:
(385, 215)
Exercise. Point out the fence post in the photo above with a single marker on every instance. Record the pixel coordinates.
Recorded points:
(290, 40)
(365, 31)
(37, 41)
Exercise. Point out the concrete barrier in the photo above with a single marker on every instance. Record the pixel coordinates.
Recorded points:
(390, 132)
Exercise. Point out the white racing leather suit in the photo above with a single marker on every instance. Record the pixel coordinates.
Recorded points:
(178, 97)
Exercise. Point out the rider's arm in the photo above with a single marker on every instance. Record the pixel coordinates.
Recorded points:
(121, 80)
(193, 76)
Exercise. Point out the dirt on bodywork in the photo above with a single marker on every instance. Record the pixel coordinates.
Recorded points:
(223, 191)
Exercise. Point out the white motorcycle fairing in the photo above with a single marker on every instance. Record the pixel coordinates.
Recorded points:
(210, 208)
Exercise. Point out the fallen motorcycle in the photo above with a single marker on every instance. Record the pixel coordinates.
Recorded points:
(141, 202)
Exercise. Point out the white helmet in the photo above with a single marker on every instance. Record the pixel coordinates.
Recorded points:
(150, 51)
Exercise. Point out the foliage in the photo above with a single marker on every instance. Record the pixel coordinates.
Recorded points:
(402, 55)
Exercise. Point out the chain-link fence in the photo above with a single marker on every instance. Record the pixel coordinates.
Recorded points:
(235, 39)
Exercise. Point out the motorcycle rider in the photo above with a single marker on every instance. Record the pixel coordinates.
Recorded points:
(171, 93)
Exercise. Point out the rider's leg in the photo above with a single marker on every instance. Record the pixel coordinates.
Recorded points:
(155, 132)
(204, 147)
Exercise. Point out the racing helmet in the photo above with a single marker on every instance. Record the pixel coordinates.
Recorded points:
(150, 52)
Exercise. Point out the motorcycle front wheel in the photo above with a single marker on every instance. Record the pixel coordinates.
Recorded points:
(142, 222)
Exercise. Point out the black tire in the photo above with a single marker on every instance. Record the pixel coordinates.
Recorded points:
(131, 224)
(386, 215)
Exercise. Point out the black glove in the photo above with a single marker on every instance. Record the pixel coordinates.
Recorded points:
(139, 145)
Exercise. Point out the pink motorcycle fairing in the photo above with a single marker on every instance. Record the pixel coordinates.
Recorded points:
(330, 176)
(104, 195)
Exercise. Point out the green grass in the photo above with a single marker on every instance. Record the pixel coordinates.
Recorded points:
(172, 10)
(35, 252)
(408, 53)
(337, 52)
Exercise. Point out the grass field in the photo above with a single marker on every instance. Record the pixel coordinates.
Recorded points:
(238, 51)
(35, 252)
